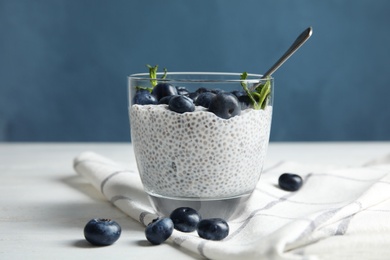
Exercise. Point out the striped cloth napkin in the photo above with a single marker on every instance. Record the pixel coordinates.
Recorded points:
(337, 214)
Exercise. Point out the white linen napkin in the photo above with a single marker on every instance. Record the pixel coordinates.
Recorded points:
(338, 213)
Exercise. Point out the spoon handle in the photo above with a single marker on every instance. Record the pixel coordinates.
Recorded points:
(301, 39)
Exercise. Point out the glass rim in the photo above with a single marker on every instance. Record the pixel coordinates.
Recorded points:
(251, 77)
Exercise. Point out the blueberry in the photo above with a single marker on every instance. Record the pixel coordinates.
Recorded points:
(290, 181)
(181, 104)
(182, 91)
(185, 219)
(166, 99)
(225, 105)
(216, 91)
(144, 97)
(194, 96)
(202, 90)
(204, 99)
(213, 229)
(159, 230)
(238, 93)
(245, 101)
(163, 89)
(102, 232)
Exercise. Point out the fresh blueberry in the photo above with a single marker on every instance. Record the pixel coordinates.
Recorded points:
(213, 229)
(181, 104)
(102, 232)
(238, 93)
(185, 219)
(165, 100)
(144, 97)
(159, 230)
(163, 89)
(216, 91)
(290, 181)
(202, 90)
(245, 101)
(182, 91)
(204, 99)
(225, 105)
(194, 96)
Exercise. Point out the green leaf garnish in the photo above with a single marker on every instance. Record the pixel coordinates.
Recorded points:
(143, 88)
(153, 74)
(259, 95)
(243, 77)
(165, 73)
(264, 91)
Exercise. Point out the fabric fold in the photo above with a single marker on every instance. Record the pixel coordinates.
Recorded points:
(275, 224)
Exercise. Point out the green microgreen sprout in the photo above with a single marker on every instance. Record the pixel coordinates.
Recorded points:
(153, 74)
(259, 95)
(153, 77)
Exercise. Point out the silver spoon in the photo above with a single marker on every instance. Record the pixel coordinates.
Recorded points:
(301, 39)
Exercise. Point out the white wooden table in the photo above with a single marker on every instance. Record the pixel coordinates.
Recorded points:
(45, 205)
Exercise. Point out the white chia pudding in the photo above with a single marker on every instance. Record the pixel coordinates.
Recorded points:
(198, 154)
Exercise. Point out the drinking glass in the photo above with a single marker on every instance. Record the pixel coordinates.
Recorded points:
(198, 159)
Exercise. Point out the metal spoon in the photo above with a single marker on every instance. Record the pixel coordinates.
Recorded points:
(301, 39)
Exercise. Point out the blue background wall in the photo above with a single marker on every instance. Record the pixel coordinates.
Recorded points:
(63, 63)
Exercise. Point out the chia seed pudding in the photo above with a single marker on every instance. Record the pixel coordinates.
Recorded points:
(198, 154)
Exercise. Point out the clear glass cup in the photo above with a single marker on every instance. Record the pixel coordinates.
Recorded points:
(198, 159)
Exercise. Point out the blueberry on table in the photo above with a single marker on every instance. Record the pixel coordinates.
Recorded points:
(144, 97)
(185, 219)
(163, 89)
(213, 229)
(290, 182)
(204, 99)
(102, 232)
(181, 104)
(159, 230)
(225, 105)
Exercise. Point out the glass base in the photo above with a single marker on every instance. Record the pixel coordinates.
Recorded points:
(227, 208)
